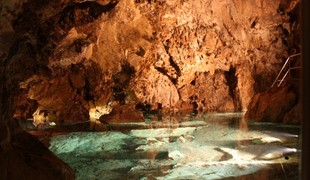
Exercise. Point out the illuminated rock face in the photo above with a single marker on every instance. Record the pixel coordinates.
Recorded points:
(64, 58)
(61, 59)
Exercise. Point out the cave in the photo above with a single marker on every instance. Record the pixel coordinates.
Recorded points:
(153, 89)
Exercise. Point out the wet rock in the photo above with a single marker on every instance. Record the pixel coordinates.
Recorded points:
(61, 56)
(22, 156)
(122, 114)
(272, 105)
(275, 153)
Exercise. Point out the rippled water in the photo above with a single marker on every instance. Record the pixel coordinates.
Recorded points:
(212, 146)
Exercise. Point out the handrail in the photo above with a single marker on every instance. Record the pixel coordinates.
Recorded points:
(283, 77)
(287, 72)
(283, 67)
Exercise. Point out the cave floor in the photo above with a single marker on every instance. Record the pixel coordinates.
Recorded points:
(209, 146)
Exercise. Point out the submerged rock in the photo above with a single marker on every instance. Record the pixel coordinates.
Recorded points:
(275, 153)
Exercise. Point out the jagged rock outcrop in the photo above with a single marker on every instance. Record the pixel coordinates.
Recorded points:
(69, 60)
(159, 55)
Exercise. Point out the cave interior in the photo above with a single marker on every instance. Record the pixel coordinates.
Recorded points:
(151, 89)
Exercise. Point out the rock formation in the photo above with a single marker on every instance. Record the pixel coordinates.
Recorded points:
(74, 60)
(275, 105)
(157, 55)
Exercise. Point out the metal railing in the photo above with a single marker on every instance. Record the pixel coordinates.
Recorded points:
(288, 68)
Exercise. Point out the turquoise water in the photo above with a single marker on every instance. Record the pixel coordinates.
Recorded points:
(212, 146)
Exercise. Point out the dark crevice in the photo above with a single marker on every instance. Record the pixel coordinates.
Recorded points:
(82, 13)
(79, 44)
(76, 14)
(232, 83)
(87, 91)
(165, 72)
(195, 107)
(229, 32)
(150, 1)
(193, 82)
(93, 78)
(171, 61)
(174, 65)
(253, 24)
(281, 9)
(121, 81)
(141, 52)
(144, 107)
(159, 106)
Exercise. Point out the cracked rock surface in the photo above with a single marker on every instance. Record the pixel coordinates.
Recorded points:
(64, 58)
(69, 61)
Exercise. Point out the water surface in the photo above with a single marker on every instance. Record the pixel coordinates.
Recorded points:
(209, 146)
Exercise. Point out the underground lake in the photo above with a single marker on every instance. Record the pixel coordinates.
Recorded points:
(204, 146)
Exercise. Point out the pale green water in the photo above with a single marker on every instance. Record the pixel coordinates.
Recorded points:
(213, 146)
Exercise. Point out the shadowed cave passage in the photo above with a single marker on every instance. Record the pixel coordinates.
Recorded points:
(233, 84)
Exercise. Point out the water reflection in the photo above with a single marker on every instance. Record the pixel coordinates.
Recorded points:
(208, 146)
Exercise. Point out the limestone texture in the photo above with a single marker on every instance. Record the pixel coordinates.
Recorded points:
(62, 57)
(67, 60)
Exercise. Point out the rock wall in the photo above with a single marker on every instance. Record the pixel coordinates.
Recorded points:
(71, 60)
(279, 104)
(68, 60)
